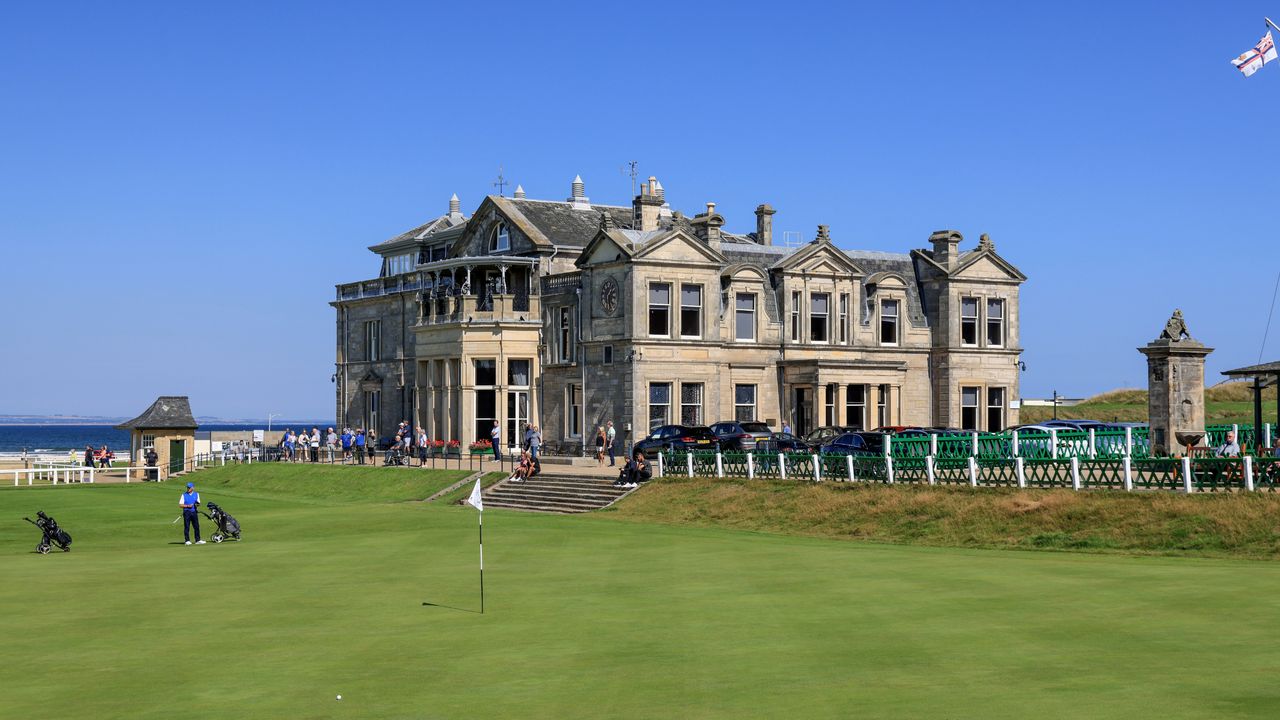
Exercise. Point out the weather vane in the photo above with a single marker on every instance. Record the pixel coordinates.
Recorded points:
(500, 183)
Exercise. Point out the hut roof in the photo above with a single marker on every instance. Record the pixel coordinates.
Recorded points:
(168, 411)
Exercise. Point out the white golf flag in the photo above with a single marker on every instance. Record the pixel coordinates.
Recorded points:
(1261, 54)
(474, 500)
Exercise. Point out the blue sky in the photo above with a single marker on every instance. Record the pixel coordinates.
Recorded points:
(183, 185)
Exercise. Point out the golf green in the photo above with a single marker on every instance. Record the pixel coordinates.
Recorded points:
(592, 617)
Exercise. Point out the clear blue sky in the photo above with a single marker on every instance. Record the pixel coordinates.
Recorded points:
(226, 164)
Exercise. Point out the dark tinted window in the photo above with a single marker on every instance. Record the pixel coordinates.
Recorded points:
(702, 433)
(755, 427)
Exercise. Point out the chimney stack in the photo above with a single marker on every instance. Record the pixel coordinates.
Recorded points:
(764, 224)
(708, 224)
(647, 206)
(455, 208)
(824, 233)
(946, 247)
(579, 198)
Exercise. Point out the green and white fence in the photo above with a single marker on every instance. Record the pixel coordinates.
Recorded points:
(1124, 472)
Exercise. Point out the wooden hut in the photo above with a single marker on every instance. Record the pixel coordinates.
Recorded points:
(169, 427)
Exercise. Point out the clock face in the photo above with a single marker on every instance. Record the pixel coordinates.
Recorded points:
(609, 296)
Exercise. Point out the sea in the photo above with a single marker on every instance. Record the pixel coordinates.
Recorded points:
(64, 438)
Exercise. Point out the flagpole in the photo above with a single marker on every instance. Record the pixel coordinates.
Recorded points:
(1273, 25)
(480, 517)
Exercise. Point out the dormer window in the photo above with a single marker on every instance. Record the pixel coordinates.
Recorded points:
(501, 241)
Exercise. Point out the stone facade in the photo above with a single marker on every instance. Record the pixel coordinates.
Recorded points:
(568, 314)
(1175, 383)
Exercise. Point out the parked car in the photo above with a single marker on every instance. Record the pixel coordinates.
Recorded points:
(899, 429)
(782, 442)
(824, 435)
(738, 436)
(855, 443)
(1075, 424)
(677, 438)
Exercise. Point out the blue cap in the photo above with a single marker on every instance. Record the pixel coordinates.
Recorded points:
(191, 485)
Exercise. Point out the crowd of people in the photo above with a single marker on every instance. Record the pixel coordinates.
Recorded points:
(351, 446)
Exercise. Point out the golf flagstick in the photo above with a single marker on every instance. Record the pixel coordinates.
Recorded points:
(476, 502)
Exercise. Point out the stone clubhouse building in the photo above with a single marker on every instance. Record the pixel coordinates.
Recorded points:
(566, 314)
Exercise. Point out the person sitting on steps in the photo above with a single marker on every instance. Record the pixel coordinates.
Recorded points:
(524, 468)
(636, 471)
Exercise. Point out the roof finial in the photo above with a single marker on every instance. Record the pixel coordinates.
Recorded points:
(455, 205)
(824, 233)
(984, 243)
(519, 193)
(579, 198)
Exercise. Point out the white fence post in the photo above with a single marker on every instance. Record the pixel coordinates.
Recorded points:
(1093, 445)
(888, 466)
(1248, 473)
(1022, 472)
(1075, 472)
(660, 473)
(848, 462)
(782, 466)
(1053, 443)
(817, 468)
(928, 470)
(933, 444)
(90, 475)
(1128, 473)
(888, 444)
(1015, 443)
(1186, 473)
(751, 466)
(688, 463)
(973, 472)
(973, 449)
(719, 465)
(1128, 442)
(1235, 433)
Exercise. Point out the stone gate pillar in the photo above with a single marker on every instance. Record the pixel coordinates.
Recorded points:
(1175, 384)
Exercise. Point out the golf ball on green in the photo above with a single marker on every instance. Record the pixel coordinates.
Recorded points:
(339, 697)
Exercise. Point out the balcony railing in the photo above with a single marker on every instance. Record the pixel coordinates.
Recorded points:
(479, 309)
(568, 282)
(379, 287)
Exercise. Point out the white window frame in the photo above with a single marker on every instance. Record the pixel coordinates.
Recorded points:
(372, 340)
(744, 411)
(972, 320)
(844, 318)
(897, 320)
(998, 323)
(699, 404)
(996, 408)
(976, 407)
(796, 298)
(697, 325)
(573, 411)
(666, 407)
(861, 406)
(739, 312)
(659, 307)
(825, 317)
(500, 240)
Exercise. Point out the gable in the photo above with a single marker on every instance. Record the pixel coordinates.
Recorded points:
(819, 258)
(475, 241)
(987, 266)
(603, 249)
(680, 248)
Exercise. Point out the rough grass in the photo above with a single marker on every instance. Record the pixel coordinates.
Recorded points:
(1211, 525)
(1226, 403)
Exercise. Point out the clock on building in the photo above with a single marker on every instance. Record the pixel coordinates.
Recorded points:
(609, 293)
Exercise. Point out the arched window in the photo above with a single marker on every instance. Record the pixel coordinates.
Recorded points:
(501, 239)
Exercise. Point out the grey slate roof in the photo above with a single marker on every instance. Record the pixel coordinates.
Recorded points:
(168, 411)
(563, 225)
(421, 232)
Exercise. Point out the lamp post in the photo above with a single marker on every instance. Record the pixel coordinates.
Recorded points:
(271, 416)
(1055, 404)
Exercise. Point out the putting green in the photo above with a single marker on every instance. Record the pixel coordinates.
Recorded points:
(589, 617)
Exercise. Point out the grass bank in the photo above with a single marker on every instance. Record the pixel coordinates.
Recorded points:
(1211, 525)
(1224, 404)
(324, 483)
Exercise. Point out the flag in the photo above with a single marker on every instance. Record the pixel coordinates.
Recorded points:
(475, 501)
(1261, 54)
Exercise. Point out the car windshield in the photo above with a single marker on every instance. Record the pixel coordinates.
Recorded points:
(755, 427)
(851, 440)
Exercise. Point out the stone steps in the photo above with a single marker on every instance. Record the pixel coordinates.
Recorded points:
(554, 494)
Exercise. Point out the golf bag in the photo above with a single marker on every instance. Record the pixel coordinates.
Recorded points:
(51, 534)
(227, 525)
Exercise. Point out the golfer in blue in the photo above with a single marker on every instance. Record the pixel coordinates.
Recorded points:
(190, 515)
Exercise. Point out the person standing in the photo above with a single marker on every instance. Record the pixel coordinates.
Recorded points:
(190, 502)
(535, 441)
(330, 444)
(422, 447)
(359, 445)
(346, 439)
(151, 458)
(495, 439)
(315, 444)
(371, 446)
(88, 456)
(610, 437)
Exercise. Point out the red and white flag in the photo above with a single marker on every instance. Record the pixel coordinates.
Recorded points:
(1261, 54)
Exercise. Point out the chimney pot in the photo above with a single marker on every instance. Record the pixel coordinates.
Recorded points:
(764, 223)
(519, 193)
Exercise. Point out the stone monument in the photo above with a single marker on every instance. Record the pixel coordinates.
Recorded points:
(1175, 384)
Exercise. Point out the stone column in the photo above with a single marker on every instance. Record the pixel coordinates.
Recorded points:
(1175, 383)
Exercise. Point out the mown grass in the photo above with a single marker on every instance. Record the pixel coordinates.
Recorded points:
(589, 617)
(324, 483)
(456, 496)
(1210, 525)
(1224, 404)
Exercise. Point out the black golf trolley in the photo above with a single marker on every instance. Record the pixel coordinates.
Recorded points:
(53, 536)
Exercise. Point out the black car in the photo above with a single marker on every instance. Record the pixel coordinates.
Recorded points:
(826, 434)
(677, 438)
(782, 442)
(855, 443)
(737, 436)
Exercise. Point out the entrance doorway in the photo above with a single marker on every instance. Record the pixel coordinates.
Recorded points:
(803, 410)
(517, 416)
(177, 455)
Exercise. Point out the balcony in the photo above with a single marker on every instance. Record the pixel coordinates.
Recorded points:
(382, 286)
(479, 309)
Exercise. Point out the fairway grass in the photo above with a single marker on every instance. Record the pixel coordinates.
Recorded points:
(590, 617)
